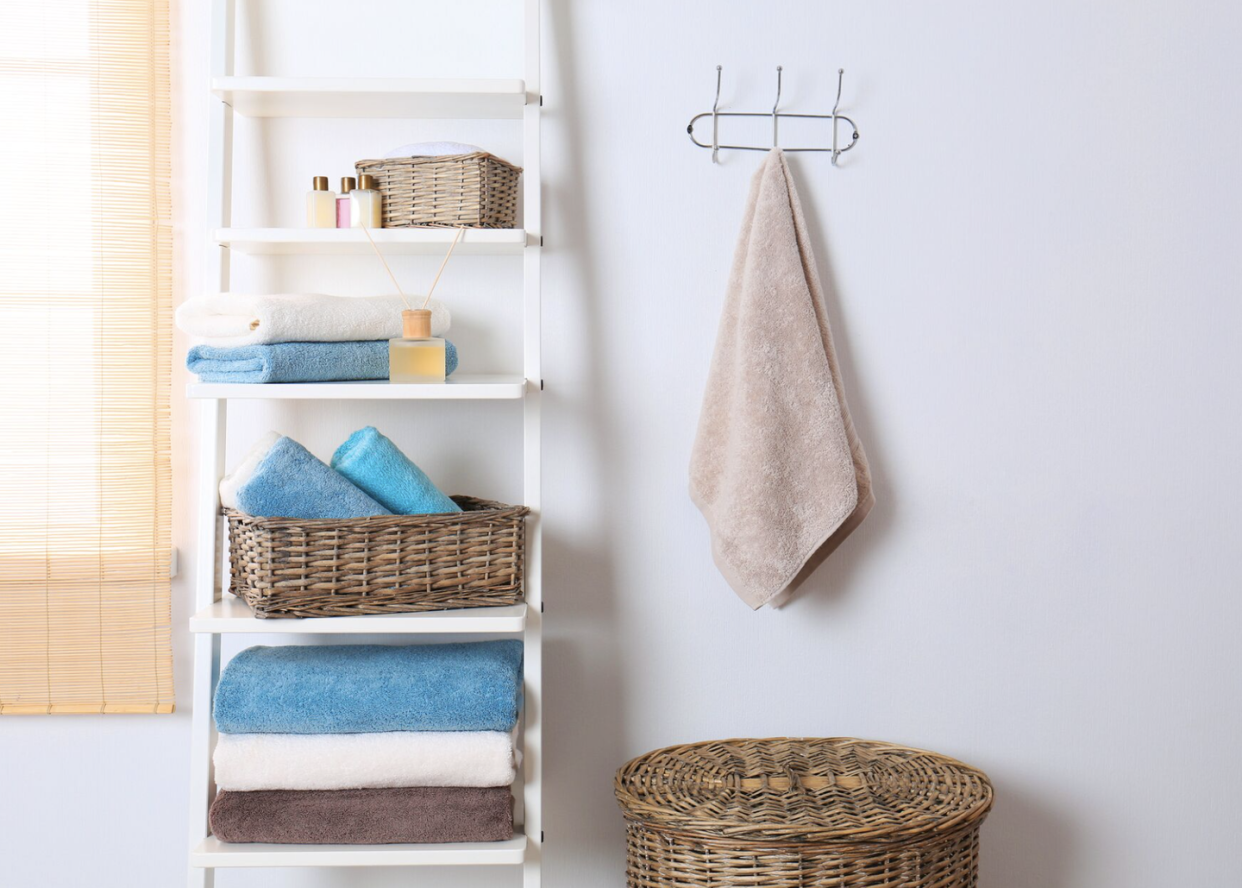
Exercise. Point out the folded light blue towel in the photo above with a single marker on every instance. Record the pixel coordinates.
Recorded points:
(355, 689)
(289, 482)
(298, 361)
(376, 466)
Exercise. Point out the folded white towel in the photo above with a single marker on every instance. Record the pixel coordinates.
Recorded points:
(364, 761)
(432, 149)
(230, 319)
(236, 479)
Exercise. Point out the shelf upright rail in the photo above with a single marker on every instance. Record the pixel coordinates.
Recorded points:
(211, 440)
(532, 451)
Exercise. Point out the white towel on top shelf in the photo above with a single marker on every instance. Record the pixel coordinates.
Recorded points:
(231, 319)
(432, 149)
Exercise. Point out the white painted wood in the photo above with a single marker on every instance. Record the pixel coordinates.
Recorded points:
(531, 802)
(233, 615)
(206, 647)
(466, 387)
(214, 853)
(212, 433)
(371, 97)
(350, 241)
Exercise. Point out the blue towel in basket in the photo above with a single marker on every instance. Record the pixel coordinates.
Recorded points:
(377, 466)
(289, 482)
(355, 689)
(298, 362)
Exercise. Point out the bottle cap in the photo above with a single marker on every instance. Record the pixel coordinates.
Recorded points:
(347, 184)
(320, 183)
(416, 323)
(366, 180)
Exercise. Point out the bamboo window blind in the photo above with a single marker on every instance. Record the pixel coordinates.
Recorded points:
(85, 350)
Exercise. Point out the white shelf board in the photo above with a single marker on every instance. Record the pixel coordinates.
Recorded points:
(372, 97)
(458, 387)
(214, 853)
(233, 615)
(353, 241)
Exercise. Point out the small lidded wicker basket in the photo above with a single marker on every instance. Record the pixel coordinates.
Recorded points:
(476, 190)
(387, 564)
(801, 813)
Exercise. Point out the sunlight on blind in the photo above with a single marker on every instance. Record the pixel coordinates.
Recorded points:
(85, 343)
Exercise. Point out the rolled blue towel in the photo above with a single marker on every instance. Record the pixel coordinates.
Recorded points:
(298, 362)
(356, 689)
(377, 466)
(289, 482)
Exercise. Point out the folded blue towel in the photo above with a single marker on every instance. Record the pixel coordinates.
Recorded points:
(376, 466)
(298, 362)
(355, 689)
(289, 482)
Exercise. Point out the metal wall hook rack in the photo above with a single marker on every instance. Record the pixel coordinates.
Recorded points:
(715, 114)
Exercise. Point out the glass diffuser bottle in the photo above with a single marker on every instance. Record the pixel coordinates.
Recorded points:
(417, 356)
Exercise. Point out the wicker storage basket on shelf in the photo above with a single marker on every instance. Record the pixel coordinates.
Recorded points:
(293, 567)
(801, 813)
(450, 191)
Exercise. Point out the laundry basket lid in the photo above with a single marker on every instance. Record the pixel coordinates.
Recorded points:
(802, 790)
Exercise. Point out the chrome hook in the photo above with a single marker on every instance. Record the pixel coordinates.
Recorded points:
(775, 118)
(716, 120)
(836, 152)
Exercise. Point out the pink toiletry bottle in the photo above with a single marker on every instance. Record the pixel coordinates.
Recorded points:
(342, 202)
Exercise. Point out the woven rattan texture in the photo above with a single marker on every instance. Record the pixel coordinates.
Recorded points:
(797, 813)
(451, 191)
(290, 567)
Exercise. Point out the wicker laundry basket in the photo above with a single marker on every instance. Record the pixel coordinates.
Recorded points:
(801, 813)
(475, 190)
(388, 564)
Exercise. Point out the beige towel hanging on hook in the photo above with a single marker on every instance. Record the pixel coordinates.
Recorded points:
(777, 468)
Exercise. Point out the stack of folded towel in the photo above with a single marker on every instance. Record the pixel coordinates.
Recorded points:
(369, 476)
(298, 337)
(367, 744)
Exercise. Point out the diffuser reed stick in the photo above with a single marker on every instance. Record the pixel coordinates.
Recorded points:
(376, 248)
(393, 277)
(452, 246)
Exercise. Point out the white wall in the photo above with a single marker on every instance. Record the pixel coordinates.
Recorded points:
(1033, 280)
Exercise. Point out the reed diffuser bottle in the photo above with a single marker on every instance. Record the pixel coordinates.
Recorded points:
(417, 356)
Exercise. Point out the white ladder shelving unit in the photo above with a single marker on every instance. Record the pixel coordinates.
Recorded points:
(215, 615)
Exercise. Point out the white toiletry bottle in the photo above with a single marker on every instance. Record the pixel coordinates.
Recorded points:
(320, 204)
(366, 204)
(343, 203)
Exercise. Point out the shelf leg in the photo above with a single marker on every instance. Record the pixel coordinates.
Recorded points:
(211, 460)
(206, 646)
(532, 456)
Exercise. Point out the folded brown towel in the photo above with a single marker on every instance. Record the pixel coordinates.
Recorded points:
(364, 816)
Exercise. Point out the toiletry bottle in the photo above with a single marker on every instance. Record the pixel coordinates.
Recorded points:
(417, 356)
(365, 204)
(320, 205)
(342, 202)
